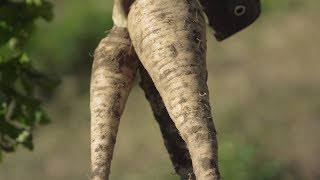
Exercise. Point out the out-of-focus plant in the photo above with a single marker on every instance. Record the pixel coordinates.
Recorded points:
(75, 29)
(285, 5)
(245, 161)
(20, 82)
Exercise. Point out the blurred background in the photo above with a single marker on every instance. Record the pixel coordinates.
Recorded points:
(264, 84)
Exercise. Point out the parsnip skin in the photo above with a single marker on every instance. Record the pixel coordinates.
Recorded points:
(113, 72)
(176, 147)
(169, 38)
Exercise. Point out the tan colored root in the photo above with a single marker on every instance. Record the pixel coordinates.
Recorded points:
(176, 147)
(119, 17)
(113, 72)
(169, 38)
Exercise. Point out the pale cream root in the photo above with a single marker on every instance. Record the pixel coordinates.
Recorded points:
(169, 38)
(113, 72)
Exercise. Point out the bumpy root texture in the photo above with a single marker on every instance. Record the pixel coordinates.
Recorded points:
(169, 38)
(113, 72)
(176, 147)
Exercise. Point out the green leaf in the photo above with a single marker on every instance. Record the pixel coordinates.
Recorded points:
(8, 54)
(23, 136)
(37, 2)
(24, 59)
(28, 144)
(41, 118)
(3, 99)
(29, 2)
(6, 34)
(43, 81)
(20, 107)
(9, 129)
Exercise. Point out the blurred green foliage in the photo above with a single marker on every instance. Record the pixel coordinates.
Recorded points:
(72, 36)
(272, 6)
(20, 82)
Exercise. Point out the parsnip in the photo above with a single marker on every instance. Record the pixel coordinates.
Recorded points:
(113, 72)
(114, 68)
(176, 147)
(169, 38)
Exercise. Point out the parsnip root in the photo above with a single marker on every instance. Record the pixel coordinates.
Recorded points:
(169, 38)
(176, 147)
(114, 68)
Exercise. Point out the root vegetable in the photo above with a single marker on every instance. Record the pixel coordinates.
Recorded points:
(114, 68)
(113, 72)
(169, 38)
(176, 147)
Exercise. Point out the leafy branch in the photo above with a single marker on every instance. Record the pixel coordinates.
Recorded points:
(21, 85)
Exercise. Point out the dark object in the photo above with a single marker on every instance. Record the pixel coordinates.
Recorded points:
(228, 17)
(127, 4)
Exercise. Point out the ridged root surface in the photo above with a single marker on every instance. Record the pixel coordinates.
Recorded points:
(113, 72)
(169, 38)
(175, 145)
